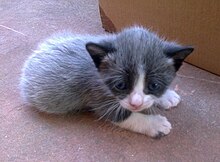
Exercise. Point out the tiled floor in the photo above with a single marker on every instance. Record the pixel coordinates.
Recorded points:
(26, 135)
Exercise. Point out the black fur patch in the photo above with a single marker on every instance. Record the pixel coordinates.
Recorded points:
(178, 53)
(98, 52)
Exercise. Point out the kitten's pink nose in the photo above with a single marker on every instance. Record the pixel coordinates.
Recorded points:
(136, 100)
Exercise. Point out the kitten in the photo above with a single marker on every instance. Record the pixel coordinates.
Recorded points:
(117, 76)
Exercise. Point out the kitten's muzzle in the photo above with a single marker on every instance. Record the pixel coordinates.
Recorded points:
(136, 100)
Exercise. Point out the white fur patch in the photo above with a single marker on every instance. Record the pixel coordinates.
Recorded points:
(151, 125)
(139, 87)
(170, 61)
(169, 99)
(137, 100)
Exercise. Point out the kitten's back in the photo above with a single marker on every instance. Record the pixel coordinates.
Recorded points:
(58, 73)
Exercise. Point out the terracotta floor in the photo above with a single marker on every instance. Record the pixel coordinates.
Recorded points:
(26, 135)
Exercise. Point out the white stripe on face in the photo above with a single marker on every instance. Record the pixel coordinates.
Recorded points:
(137, 100)
(139, 87)
(137, 96)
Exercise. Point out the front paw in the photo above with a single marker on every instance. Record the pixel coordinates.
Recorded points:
(152, 125)
(158, 126)
(169, 99)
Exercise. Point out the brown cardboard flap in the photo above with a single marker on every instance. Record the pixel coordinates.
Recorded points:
(187, 22)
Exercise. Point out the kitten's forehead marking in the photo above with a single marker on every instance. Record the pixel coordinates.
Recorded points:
(139, 85)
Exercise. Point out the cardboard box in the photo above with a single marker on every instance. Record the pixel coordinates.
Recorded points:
(191, 22)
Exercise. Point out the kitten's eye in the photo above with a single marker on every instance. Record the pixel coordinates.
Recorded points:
(153, 86)
(120, 86)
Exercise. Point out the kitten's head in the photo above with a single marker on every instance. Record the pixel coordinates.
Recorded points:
(137, 66)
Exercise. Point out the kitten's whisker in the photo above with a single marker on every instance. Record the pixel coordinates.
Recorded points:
(109, 107)
(151, 112)
(115, 108)
(109, 111)
(121, 70)
(102, 106)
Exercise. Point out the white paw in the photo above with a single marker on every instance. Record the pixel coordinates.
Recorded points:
(152, 125)
(158, 126)
(169, 99)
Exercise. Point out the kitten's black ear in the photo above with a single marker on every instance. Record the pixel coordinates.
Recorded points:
(98, 52)
(178, 53)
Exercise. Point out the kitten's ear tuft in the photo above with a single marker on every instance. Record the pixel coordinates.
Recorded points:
(98, 52)
(177, 53)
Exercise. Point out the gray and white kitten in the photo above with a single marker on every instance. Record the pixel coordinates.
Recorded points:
(117, 76)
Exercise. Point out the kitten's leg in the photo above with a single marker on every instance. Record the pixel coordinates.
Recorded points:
(169, 99)
(152, 125)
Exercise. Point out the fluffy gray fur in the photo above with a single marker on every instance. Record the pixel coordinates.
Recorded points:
(62, 75)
